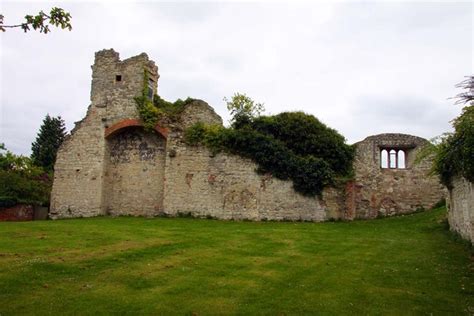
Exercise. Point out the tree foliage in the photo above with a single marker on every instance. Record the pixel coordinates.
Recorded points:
(454, 153)
(50, 136)
(243, 109)
(305, 135)
(468, 95)
(21, 181)
(290, 145)
(41, 22)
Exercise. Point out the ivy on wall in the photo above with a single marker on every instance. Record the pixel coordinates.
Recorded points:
(152, 111)
(291, 146)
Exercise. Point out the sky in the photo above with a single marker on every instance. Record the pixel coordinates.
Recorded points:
(362, 68)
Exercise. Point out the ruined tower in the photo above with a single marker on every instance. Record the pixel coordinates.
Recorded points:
(108, 152)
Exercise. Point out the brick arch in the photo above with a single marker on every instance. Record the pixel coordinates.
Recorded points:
(112, 130)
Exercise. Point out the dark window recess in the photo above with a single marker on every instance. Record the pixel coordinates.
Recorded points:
(118, 78)
(150, 89)
(150, 93)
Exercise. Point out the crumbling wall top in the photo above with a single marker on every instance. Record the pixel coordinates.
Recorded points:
(395, 139)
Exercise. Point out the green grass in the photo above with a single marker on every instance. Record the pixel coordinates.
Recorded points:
(402, 265)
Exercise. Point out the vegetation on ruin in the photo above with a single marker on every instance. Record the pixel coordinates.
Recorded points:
(291, 146)
(152, 111)
(21, 181)
(163, 266)
(454, 152)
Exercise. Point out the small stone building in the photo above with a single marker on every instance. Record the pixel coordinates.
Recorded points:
(109, 165)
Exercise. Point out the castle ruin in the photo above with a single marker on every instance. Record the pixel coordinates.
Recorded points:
(109, 165)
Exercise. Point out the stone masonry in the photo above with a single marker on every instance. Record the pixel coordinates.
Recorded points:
(110, 166)
(378, 191)
(461, 207)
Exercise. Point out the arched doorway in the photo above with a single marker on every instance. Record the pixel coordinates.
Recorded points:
(134, 176)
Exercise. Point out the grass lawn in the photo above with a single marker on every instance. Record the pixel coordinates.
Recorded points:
(401, 265)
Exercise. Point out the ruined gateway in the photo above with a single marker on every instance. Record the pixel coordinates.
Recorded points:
(110, 166)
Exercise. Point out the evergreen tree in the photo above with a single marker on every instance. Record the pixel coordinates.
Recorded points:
(50, 136)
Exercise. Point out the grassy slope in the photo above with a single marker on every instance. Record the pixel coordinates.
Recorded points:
(183, 266)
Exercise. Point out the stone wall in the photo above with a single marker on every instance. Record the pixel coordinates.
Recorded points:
(461, 208)
(227, 187)
(110, 165)
(79, 178)
(378, 191)
(19, 212)
(134, 174)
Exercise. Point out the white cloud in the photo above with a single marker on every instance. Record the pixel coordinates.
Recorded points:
(362, 68)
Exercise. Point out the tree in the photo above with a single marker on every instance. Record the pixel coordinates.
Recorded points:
(50, 136)
(21, 181)
(468, 96)
(454, 152)
(243, 109)
(41, 22)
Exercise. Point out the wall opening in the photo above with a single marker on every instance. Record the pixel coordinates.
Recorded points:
(134, 178)
(384, 158)
(151, 84)
(392, 158)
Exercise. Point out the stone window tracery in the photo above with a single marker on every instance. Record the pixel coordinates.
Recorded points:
(384, 158)
(392, 158)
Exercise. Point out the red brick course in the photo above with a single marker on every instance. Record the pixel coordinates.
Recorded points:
(109, 131)
(19, 212)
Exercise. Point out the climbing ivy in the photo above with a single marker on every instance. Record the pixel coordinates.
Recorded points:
(151, 112)
(291, 146)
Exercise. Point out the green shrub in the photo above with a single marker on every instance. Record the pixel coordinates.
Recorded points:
(21, 181)
(455, 154)
(152, 111)
(305, 135)
(283, 145)
(7, 201)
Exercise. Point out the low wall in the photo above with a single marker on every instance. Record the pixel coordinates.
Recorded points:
(227, 187)
(19, 212)
(461, 208)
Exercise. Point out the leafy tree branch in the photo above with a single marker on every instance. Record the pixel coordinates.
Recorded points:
(41, 22)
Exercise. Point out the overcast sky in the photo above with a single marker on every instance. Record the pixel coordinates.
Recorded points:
(362, 68)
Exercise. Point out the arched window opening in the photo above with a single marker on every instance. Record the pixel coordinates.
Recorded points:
(393, 159)
(384, 159)
(401, 159)
(151, 84)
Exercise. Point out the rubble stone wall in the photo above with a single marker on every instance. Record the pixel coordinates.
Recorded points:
(227, 187)
(379, 191)
(134, 174)
(79, 179)
(461, 208)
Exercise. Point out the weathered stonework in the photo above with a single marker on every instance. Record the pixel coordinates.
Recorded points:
(110, 166)
(80, 184)
(461, 207)
(378, 191)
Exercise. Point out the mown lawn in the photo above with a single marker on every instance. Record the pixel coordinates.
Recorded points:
(409, 264)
